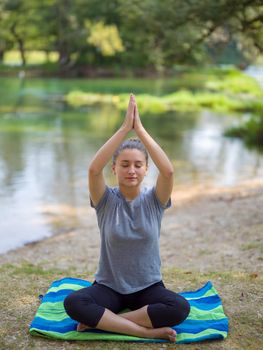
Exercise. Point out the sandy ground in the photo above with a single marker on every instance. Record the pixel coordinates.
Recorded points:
(207, 229)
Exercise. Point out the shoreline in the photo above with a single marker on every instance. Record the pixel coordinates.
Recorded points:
(207, 228)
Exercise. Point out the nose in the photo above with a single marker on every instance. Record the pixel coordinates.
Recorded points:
(131, 170)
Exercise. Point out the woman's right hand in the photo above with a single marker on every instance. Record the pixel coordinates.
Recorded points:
(128, 122)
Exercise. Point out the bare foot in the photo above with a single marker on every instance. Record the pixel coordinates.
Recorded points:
(154, 333)
(81, 327)
(162, 333)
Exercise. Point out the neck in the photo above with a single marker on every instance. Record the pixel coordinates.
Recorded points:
(130, 193)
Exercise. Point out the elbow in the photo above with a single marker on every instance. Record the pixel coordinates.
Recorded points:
(93, 171)
(169, 173)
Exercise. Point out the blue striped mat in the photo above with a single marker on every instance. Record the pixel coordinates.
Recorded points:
(206, 320)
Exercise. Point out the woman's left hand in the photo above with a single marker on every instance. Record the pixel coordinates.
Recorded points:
(137, 125)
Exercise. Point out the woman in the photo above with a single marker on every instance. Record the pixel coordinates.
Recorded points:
(129, 219)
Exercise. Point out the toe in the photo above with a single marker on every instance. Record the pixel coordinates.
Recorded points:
(172, 338)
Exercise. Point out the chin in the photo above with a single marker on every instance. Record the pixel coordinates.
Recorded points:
(132, 184)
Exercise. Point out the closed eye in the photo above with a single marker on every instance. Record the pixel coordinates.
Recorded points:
(137, 164)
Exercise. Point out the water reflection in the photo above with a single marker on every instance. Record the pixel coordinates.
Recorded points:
(45, 149)
(220, 160)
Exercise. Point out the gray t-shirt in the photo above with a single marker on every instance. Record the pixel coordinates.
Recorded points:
(130, 230)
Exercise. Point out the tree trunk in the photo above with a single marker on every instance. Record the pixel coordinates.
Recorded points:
(63, 30)
(20, 43)
(22, 51)
(2, 52)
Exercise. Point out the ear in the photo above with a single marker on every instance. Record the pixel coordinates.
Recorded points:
(113, 169)
(147, 168)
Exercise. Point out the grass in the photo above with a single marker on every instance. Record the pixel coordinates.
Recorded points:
(253, 245)
(220, 90)
(33, 57)
(233, 81)
(182, 100)
(22, 283)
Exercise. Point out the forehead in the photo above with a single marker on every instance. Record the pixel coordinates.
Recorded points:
(131, 155)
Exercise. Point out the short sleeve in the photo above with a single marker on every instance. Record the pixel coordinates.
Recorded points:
(162, 206)
(102, 201)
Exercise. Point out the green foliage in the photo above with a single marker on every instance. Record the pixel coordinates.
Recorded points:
(250, 130)
(219, 90)
(105, 38)
(181, 100)
(235, 82)
(80, 98)
(147, 34)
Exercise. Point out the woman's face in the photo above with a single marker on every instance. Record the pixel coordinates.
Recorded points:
(130, 167)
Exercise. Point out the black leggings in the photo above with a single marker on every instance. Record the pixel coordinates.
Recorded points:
(165, 308)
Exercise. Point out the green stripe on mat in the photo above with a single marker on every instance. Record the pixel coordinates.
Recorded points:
(58, 305)
(192, 336)
(52, 317)
(209, 293)
(65, 286)
(218, 313)
(87, 336)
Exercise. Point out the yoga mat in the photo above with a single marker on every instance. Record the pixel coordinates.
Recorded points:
(206, 320)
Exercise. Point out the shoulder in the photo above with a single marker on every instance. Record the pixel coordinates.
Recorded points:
(149, 195)
(108, 196)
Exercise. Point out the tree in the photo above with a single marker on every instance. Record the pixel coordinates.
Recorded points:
(172, 31)
(150, 33)
(5, 35)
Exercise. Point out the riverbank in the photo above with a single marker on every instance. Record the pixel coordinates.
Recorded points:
(210, 233)
(53, 70)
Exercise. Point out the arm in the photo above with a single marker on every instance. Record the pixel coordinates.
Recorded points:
(104, 154)
(164, 184)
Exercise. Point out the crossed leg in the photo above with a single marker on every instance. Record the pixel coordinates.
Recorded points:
(132, 323)
(95, 309)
